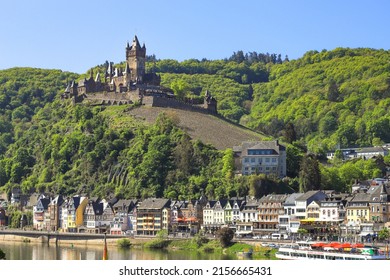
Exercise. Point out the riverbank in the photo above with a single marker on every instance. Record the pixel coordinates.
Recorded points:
(203, 246)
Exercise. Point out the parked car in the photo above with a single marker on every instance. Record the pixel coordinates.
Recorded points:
(256, 237)
(272, 245)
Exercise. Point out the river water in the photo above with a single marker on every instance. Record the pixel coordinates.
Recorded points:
(29, 251)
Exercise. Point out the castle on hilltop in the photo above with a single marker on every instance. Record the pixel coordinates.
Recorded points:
(130, 85)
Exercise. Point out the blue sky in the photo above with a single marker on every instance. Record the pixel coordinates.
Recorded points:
(76, 35)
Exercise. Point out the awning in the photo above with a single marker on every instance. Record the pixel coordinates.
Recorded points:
(308, 220)
(244, 232)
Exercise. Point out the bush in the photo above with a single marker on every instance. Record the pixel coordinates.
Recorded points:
(157, 244)
(124, 243)
(2, 255)
(225, 236)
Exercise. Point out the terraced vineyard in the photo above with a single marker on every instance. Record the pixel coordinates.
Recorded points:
(207, 128)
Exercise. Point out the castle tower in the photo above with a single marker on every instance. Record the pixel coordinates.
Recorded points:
(135, 57)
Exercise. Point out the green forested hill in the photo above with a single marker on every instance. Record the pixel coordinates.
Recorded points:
(331, 98)
(323, 99)
(48, 144)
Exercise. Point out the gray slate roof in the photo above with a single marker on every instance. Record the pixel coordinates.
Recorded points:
(259, 145)
(154, 203)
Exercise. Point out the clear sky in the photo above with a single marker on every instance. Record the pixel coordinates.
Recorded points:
(74, 35)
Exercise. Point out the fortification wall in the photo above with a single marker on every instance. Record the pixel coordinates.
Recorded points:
(111, 97)
(156, 101)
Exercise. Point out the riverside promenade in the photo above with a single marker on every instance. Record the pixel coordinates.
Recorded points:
(54, 237)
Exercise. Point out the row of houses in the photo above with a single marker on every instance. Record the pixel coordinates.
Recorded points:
(363, 212)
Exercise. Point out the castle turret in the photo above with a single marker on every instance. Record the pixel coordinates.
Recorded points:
(135, 57)
(109, 71)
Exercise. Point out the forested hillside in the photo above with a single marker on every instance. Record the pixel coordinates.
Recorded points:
(318, 102)
(48, 144)
(327, 99)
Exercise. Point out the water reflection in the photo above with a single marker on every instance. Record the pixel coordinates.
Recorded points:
(27, 251)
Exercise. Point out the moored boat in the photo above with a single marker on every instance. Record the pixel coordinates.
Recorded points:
(306, 250)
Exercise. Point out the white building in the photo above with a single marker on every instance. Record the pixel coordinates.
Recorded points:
(262, 157)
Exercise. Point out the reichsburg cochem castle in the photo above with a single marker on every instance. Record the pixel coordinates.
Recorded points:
(131, 85)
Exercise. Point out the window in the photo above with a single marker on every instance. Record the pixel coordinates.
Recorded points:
(267, 159)
(273, 159)
(253, 160)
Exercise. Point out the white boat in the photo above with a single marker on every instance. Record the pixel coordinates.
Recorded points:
(308, 250)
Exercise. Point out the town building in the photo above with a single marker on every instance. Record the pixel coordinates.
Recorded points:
(39, 213)
(153, 215)
(288, 222)
(54, 210)
(125, 219)
(249, 217)
(261, 157)
(270, 207)
(364, 153)
(73, 213)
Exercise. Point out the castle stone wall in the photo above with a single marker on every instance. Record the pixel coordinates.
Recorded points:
(156, 101)
(110, 97)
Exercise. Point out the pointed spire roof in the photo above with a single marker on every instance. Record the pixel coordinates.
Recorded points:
(97, 79)
(127, 69)
(135, 44)
(67, 90)
(109, 68)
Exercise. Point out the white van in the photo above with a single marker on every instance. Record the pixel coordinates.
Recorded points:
(278, 236)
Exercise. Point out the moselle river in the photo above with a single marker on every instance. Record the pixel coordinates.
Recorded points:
(28, 251)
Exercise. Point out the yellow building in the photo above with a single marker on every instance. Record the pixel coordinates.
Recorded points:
(358, 209)
(75, 212)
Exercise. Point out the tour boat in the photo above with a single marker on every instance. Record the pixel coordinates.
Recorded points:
(308, 250)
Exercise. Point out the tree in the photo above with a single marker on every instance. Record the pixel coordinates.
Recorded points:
(225, 236)
(289, 133)
(309, 174)
(333, 93)
(293, 160)
(180, 88)
(384, 234)
(228, 164)
(260, 185)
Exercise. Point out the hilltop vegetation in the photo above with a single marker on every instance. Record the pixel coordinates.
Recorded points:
(320, 101)
(329, 98)
(50, 145)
